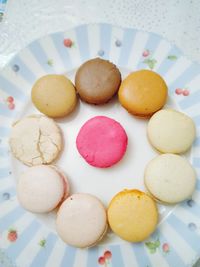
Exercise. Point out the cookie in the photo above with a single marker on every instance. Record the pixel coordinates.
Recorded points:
(81, 220)
(54, 95)
(170, 178)
(132, 215)
(143, 92)
(102, 142)
(171, 131)
(35, 140)
(97, 81)
(42, 188)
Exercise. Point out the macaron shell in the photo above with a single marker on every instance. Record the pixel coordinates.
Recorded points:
(81, 220)
(41, 188)
(132, 215)
(102, 141)
(65, 181)
(171, 131)
(170, 178)
(39, 136)
(143, 93)
(54, 95)
(97, 80)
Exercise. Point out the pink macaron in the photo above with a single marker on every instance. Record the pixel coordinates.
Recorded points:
(102, 141)
(81, 220)
(42, 188)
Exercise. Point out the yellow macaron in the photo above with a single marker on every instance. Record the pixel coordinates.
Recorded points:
(132, 215)
(143, 92)
(54, 95)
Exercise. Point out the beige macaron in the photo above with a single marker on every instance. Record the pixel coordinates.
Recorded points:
(170, 178)
(132, 215)
(171, 131)
(42, 188)
(81, 220)
(54, 95)
(35, 140)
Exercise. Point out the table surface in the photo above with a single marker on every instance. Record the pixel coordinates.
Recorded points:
(176, 20)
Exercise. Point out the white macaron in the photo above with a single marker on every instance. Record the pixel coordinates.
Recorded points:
(171, 131)
(42, 188)
(36, 140)
(81, 220)
(170, 178)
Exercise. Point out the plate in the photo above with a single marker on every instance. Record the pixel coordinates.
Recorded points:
(29, 240)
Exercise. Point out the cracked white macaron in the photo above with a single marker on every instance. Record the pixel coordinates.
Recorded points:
(81, 220)
(171, 131)
(170, 178)
(42, 188)
(35, 140)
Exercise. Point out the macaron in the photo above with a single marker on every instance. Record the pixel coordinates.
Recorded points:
(35, 140)
(81, 220)
(132, 215)
(42, 188)
(54, 95)
(170, 131)
(170, 178)
(102, 141)
(97, 81)
(143, 92)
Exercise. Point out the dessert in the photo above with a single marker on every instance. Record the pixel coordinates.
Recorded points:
(143, 92)
(170, 178)
(42, 188)
(54, 95)
(97, 81)
(35, 140)
(102, 141)
(170, 131)
(132, 215)
(81, 220)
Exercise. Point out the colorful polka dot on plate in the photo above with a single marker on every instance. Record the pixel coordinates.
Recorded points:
(68, 42)
(15, 68)
(101, 53)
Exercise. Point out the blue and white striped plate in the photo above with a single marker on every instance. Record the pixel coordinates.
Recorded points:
(28, 240)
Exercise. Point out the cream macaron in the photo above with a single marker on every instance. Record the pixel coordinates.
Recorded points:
(132, 215)
(42, 188)
(81, 220)
(170, 178)
(171, 131)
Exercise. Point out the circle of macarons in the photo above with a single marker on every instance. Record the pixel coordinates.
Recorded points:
(54, 95)
(42, 188)
(97, 80)
(36, 140)
(143, 93)
(132, 215)
(102, 141)
(170, 178)
(171, 131)
(81, 220)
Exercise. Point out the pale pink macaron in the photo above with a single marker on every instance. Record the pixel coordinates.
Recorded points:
(81, 220)
(42, 188)
(102, 141)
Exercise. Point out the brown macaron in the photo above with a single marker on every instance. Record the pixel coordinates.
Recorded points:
(97, 81)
